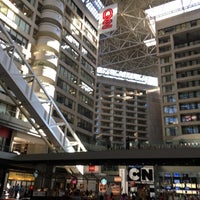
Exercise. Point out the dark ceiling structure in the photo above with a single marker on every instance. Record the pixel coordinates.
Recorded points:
(124, 49)
(150, 156)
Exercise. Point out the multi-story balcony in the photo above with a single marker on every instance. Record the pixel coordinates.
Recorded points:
(52, 16)
(56, 5)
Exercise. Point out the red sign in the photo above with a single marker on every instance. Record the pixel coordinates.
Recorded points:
(91, 168)
(74, 181)
(108, 19)
(4, 132)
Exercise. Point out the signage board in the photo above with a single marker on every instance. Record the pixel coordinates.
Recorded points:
(141, 174)
(108, 19)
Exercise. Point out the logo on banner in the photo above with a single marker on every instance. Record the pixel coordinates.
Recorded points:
(108, 19)
(141, 174)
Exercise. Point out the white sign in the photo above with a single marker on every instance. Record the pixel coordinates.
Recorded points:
(108, 19)
(143, 174)
(122, 174)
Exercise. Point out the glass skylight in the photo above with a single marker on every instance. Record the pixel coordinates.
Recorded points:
(170, 9)
(94, 6)
(173, 8)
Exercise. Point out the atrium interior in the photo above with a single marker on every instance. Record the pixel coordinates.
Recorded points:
(72, 95)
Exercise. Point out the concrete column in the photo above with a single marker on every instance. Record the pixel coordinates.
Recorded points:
(43, 180)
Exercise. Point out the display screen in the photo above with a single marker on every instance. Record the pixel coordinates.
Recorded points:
(176, 180)
(168, 187)
(176, 174)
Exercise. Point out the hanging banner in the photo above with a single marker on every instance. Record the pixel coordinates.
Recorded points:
(108, 19)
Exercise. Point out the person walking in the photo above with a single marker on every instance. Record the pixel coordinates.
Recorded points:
(16, 190)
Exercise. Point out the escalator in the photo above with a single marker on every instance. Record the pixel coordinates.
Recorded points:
(19, 82)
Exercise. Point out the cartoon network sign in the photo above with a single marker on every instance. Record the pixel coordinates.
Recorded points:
(144, 174)
(108, 19)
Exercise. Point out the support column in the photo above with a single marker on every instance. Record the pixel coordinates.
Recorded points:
(43, 180)
(3, 174)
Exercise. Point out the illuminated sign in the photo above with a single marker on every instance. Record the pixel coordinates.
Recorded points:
(103, 181)
(117, 179)
(108, 19)
(143, 174)
(91, 168)
(21, 176)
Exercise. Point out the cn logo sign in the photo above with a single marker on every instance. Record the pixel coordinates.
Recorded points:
(107, 18)
(141, 175)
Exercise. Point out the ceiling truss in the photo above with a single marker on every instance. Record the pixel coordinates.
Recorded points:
(124, 49)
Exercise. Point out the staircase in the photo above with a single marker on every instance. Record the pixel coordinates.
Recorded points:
(20, 87)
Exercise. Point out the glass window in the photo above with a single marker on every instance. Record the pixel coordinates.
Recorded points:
(72, 40)
(18, 38)
(88, 55)
(84, 125)
(87, 77)
(67, 74)
(87, 65)
(169, 98)
(171, 131)
(164, 40)
(189, 106)
(168, 88)
(166, 69)
(66, 87)
(64, 58)
(10, 15)
(85, 99)
(85, 112)
(89, 45)
(91, 27)
(70, 50)
(167, 78)
(86, 88)
(170, 109)
(3, 8)
(64, 100)
(165, 60)
(190, 129)
(190, 117)
(27, 28)
(171, 120)
(17, 20)
(169, 29)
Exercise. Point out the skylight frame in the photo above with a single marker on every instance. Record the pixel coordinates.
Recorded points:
(94, 6)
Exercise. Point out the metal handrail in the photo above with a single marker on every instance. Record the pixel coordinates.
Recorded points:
(13, 49)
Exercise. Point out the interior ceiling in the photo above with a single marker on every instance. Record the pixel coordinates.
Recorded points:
(124, 48)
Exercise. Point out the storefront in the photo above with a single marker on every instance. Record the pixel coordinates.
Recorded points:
(19, 182)
(141, 182)
(179, 181)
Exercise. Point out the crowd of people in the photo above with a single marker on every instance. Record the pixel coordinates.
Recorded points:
(175, 196)
(19, 191)
(16, 191)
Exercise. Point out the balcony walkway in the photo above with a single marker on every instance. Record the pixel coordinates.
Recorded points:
(174, 155)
